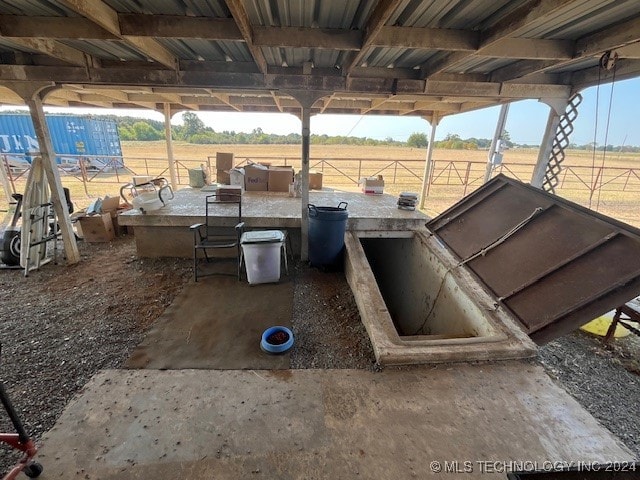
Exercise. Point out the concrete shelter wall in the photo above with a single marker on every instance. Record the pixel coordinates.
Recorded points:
(421, 292)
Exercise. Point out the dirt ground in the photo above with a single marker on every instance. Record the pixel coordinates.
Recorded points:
(62, 324)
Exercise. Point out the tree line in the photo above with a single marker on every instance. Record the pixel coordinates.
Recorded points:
(193, 130)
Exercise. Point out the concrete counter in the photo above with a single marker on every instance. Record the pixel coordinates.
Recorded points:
(165, 233)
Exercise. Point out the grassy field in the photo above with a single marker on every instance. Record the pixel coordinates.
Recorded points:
(456, 171)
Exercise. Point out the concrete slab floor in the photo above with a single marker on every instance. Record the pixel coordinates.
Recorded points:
(310, 424)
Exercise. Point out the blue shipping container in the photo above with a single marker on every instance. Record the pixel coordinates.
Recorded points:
(96, 141)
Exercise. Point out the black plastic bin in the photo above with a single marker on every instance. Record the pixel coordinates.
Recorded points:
(327, 226)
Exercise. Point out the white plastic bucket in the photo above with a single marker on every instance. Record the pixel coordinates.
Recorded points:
(262, 261)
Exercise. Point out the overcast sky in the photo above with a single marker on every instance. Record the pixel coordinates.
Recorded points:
(525, 123)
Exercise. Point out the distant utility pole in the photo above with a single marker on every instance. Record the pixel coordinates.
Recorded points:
(495, 151)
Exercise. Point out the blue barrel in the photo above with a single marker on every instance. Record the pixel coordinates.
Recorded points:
(327, 226)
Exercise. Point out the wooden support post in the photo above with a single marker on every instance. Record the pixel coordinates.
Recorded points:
(545, 148)
(428, 165)
(53, 177)
(4, 179)
(169, 141)
(306, 132)
(306, 99)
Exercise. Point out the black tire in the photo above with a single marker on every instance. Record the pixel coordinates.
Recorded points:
(33, 470)
(11, 247)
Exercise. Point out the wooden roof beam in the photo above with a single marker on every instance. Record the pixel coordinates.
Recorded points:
(432, 106)
(624, 38)
(153, 98)
(529, 49)
(276, 100)
(224, 98)
(239, 14)
(375, 104)
(611, 38)
(22, 26)
(212, 81)
(107, 18)
(520, 69)
(178, 26)
(52, 48)
(427, 38)
(298, 37)
(625, 68)
(118, 97)
(379, 17)
(326, 102)
(507, 27)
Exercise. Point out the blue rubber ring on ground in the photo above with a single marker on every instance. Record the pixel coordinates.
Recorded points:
(269, 348)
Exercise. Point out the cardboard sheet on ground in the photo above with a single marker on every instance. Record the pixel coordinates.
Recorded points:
(217, 323)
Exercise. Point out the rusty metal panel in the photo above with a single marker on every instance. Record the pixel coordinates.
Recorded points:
(553, 264)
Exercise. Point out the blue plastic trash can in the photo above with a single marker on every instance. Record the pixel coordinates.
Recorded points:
(327, 226)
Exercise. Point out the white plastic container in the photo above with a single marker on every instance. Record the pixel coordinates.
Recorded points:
(237, 177)
(261, 251)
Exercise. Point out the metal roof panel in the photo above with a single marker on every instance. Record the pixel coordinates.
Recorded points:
(482, 64)
(111, 50)
(210, 50)
(458, 14)
(313, 13)
(398, 57)
(200, 8)
(34, 8)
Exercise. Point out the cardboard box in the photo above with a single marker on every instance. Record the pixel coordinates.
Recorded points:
(97, 228)
(229, 193)
(118, 229)
(140, 179)
(280, 178)
(373, 185)
(256, 178)
(222, 176)
(224, 161)
(110, 204)
(315, 180)
(196, 178)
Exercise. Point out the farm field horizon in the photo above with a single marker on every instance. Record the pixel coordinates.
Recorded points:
(456, 172)
(343, 164)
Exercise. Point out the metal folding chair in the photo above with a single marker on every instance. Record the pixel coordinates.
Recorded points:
(222, 229)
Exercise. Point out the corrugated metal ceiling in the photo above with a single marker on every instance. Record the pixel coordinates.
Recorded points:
(198, 49)
(34, 8)
(109, 50)
(397, 57)
(578, 65)
(295, 57)
(459, 14)
(577, 19)
(482, 64)
(344, 14)
(197, 8)
(9, 46)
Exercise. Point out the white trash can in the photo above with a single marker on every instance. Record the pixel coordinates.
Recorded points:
(261, 252)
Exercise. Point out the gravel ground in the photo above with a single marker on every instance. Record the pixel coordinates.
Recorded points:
(326, 321)
(605, 380)
(62, 324)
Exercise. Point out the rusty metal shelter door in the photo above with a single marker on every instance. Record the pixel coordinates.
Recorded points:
(553, 264)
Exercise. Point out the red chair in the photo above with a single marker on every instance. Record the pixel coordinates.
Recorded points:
(19, 441)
